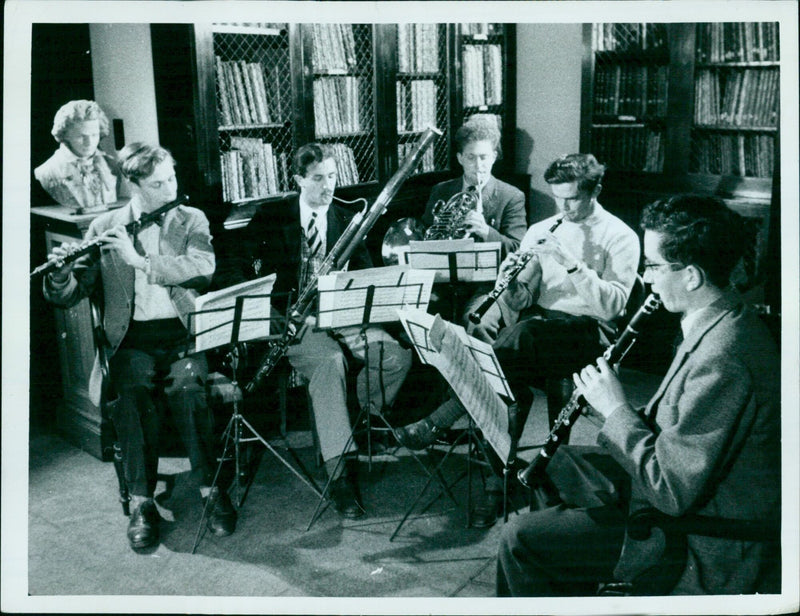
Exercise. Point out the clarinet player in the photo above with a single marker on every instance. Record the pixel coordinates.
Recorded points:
(148, 284)
(708, 442)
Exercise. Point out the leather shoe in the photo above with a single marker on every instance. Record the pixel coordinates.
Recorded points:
(486, 511)
(345, 498)
(222, 515)
(143, 526)
(418, 435)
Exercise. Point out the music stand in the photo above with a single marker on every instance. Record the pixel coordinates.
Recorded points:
(456, 262)
(365, 298)
(474, 373)
(233, 435)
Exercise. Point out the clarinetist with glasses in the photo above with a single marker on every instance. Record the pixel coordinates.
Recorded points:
(579, 268)
(707, 443)
(149, 282)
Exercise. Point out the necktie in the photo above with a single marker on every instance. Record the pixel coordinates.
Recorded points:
(312, 236)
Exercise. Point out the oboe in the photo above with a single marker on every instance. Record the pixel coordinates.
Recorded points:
(508, 278)
(577, 403)
(144, 221)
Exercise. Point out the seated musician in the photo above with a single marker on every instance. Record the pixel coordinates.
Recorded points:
(148, 285)
(294, 243)
(707, 443)
(78, 174)
(500, 214)
(577, 282)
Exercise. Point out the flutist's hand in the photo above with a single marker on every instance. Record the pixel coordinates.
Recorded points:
(117, 238)
(551, 245)
(601, 387)
(476, 224)
(59, 253)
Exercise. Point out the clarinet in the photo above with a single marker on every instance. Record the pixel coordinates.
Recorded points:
(144, 221)
(508, 278)
(577, 403)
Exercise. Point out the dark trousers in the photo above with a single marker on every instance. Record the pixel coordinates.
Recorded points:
(146, 364)
(573, 542)
(544, 347)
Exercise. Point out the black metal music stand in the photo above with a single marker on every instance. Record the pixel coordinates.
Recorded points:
(473, 440)
(365, 306)
(234, 434)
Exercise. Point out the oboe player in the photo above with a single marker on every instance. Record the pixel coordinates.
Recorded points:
(578, 281)
(708, 442)
(147, 284)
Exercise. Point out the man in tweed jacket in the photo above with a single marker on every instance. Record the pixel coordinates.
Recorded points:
(707, 443)
(148, 288)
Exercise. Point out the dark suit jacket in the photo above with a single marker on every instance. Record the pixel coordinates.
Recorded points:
(708, 442)
(274, 236)
(503, 208)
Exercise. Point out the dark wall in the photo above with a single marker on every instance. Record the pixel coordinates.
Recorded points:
(61, 71)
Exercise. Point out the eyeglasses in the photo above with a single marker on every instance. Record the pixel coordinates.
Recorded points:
(673, 266)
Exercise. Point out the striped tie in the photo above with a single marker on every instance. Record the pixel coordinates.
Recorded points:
(312, 236)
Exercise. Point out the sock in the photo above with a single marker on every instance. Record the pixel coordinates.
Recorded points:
(137, 500)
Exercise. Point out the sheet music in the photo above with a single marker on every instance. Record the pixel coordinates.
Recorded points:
(474, 261)
(471, 370)
(212, 321)
(343, 295)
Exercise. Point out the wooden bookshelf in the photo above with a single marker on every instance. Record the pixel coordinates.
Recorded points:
(686, 107)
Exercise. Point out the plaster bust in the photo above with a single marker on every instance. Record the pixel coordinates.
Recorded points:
(78, 174)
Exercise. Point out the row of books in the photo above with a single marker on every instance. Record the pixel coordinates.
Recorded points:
(426, 164)
(737, 98)
(334, 47)
(337, 108)
(346, 168)
(483, 75)
(633, 147)
(251, 168)
(243, 94)
(630, 90)
(416, 105)
(418, 48)
(737, 42)
(745, 155)
(481, 29)
(629, 37)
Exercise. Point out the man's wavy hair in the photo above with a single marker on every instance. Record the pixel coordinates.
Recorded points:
(581, 168)
(78, 111)
(310, 154)
(138, 160)
(478, 128)
(699, 230)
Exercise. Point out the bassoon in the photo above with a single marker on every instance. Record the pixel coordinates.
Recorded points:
(355, 232)
(577, 403)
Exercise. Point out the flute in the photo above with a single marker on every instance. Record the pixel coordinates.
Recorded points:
(145, 220)
(508, 278)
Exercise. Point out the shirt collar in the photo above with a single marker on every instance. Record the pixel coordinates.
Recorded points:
(690, 319)
(479, 187)
(306, 211)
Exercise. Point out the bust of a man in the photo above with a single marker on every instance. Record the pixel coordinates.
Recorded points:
(78, 174)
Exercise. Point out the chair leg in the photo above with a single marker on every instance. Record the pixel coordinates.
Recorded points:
(124, 495)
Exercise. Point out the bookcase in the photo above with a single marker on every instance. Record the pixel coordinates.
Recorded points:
(235, 100)
(689, 107)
